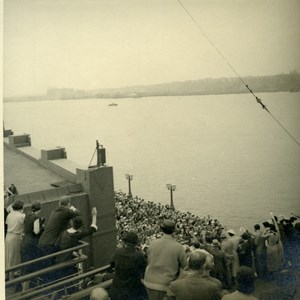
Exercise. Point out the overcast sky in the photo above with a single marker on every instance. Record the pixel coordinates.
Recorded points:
(89, 44)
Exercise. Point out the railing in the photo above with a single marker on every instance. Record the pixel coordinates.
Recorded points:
(56, 287)
(85, 292)
(42, 288)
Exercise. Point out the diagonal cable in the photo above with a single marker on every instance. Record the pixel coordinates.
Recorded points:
(258, 100)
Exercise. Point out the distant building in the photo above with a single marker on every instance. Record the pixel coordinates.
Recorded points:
(65, 93)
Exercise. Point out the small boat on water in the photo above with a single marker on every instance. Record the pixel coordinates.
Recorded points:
(113, 104)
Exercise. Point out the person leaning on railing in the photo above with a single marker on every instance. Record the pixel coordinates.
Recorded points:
(71, 237)
(57, 223)
(33, 228)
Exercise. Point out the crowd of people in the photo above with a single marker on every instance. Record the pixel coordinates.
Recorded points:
(162, 253)
(144, 217)
(265, 250)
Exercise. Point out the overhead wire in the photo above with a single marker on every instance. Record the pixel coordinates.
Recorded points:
(258, 100)
(93, 156)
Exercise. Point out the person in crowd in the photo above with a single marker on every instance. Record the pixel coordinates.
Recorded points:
(7, 195)
(219, 270)
(13, 189)
(15, 227)
(236, 261)
(275, 257)
(99, 293)
(209, 265)
(195, 246)
(208, 245)
(227, 246)
(245, 285)
(295, 262)
(57, 223)
(70, 238)
(244, 250)
(259, 252)
(193, 286)
(9, 203)
(296, 223)
(280, 228)
(33, 228)
(129, 264)
(166, 258)
(292, 241)
(55, 226)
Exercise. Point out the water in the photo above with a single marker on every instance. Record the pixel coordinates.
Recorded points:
(227, 156)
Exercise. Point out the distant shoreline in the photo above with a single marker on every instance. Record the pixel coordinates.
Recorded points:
(209, 86)
(45, 98)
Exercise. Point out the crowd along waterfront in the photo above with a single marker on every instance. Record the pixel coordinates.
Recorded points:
(225, 154)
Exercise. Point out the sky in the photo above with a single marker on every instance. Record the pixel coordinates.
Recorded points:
(94, 44)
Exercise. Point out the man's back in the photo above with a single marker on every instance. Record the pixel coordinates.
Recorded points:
(129, 266)
(220, 259)
(194, 287)
(227, 246)
(57, 223)
(165, 258)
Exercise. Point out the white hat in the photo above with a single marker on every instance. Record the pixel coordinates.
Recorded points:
(231, 231)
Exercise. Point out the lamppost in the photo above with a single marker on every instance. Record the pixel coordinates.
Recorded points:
(129, 178)
(171, 188)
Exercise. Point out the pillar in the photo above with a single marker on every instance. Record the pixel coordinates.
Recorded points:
(98, 183)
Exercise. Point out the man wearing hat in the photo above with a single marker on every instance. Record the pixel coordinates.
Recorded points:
(166, 258)
(219, 270)
(236, 262)
(129, 265)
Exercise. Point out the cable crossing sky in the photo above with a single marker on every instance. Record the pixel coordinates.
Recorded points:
(258, 100)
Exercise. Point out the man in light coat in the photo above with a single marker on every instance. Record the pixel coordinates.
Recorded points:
(166, 258)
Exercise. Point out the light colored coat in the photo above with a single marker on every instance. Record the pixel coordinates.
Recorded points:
(166, 257)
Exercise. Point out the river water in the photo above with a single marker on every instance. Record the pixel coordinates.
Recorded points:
(227, 156)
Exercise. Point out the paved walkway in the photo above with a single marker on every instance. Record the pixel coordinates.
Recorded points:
(27, 175)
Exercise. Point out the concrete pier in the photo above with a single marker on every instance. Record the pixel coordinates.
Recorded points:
(46, 175)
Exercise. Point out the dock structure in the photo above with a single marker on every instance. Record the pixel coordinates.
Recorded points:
(46, 175)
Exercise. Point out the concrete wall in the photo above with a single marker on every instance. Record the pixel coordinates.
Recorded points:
(49, 195)
(7, 132)
(53, 154)
(22, 140)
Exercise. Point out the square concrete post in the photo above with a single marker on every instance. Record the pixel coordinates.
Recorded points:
(98, 184)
